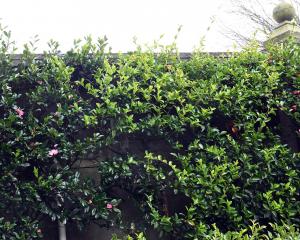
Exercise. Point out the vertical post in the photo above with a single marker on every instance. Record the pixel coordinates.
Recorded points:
(62, 231)
(284, 14)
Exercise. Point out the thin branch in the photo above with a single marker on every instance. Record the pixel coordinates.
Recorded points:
(255, 12)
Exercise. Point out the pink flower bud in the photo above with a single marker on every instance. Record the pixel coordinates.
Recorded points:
(20, 112)
(293, 108)
(109, 206)
(296, 92)
(53, 152)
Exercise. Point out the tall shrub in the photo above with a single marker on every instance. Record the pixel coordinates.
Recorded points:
(212, 134)
(43, 134)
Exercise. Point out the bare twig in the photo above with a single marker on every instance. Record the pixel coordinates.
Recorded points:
(256, 15)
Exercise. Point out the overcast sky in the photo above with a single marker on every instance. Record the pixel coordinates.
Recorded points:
(119, 20)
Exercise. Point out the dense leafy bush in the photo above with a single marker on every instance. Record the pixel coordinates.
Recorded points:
(255, 231)
(43, 134)
(227, 130)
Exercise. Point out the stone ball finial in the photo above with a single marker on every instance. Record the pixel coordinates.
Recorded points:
(284, 12)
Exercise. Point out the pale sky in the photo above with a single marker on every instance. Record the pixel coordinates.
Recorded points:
(119, 20)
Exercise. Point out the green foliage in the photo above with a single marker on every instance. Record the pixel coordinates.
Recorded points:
(208, 131)
(255, 231)
(220, 118)
(137, 236)
(43, 134)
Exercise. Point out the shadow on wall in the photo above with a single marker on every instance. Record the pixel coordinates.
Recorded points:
(131, 213)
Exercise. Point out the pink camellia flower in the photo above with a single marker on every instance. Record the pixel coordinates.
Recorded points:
(20, 112)
(53, 152)
(109, 206)
(293, 108)
(296, 92)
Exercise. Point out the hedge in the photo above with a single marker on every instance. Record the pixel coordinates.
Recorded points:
(229, 128)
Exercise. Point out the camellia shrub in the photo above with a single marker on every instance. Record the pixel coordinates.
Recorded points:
(224, 122)
(42, 135)
(220, 140)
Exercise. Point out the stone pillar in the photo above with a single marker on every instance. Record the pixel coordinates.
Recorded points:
(284, 14)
